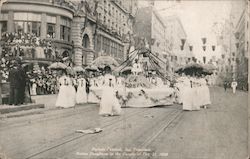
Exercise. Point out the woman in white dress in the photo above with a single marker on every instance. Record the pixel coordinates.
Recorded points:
(197, 97)
(62, 97)
(206, 93)
(109, 104)
(187, 97)
(71, 91)
(81, 95)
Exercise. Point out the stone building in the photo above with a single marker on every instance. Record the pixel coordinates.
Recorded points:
(43, 19)
(104, 27)
(175, 32)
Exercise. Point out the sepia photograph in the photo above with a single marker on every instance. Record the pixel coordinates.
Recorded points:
(124, 79)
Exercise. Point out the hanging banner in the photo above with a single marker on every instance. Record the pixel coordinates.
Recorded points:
(204, 59)
(190, 48)
(204, 40)
(183, 42)
(182, 47)
(237, 45)
(204, 48)
(213, 47)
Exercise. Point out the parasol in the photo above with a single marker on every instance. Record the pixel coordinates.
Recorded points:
(57, 66)
(78, 69)
(92, 68)
(191, 69)
(103, 61)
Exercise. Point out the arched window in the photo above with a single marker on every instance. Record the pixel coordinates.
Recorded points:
(85, 41)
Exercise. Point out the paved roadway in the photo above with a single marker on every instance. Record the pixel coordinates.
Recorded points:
(219, 132)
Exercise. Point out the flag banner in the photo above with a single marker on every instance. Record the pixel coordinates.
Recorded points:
(204, 48)
(213, 47)
(237, 45)
(191, 48)
(183, 42)
(204, 40)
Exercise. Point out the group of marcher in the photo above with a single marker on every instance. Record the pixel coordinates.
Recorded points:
(193, 92)
(74, 91)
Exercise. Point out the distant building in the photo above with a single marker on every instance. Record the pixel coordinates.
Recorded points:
(242, 42)
(104, 27)
(149, 25)
(174, 33)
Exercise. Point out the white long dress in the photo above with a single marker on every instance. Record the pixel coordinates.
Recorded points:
(81, 95)
(187, 95)
(71, 93)
(109, 104)
(62, 97)
(197, 98)
(206, 93)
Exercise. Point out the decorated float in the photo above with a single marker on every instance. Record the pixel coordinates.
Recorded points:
(141, 80)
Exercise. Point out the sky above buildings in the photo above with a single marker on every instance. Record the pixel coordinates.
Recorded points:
(198, 18)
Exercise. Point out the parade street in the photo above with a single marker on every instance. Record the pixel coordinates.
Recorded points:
(218, 132)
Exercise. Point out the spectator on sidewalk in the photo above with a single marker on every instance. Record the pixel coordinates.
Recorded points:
(234, 86)
(225, 85)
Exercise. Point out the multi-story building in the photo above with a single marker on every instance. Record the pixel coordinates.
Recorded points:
(43, 19)
(174, 34)
(149, 25)
(227, 44)
(242, 43)
(104, 27)
(82, 30)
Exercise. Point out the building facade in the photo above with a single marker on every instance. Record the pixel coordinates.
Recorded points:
(242, 49)
(177, 55)
(42, 19)
(104, 27)
(82, 30)
(149, 25)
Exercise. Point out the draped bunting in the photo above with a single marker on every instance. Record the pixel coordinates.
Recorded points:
(204, 40)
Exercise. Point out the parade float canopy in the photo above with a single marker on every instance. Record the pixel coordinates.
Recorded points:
(57, 66)
(103, 61)
(78, 69)
(138, 90)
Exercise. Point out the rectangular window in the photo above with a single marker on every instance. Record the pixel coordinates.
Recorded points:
(65, 33)
(22, 16)
(28, 27)
(51, 30)
(3, 25)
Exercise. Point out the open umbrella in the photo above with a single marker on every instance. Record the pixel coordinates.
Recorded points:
(92, 68)
(78, 69)
(57, 66)
(103, 61)
(191, 69)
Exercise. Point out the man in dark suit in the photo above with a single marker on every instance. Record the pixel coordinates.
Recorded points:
(13, 79)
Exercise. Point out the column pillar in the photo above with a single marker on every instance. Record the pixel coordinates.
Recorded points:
(77, 39)
(58, 24)
(44, 26)
(10, 23)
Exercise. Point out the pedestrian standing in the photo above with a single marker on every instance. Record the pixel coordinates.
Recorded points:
(234, 86)
(225, 85)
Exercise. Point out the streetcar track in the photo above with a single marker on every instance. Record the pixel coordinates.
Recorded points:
(50, 117)
(109, 124)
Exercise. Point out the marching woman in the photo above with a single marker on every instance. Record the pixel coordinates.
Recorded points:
(81, 94)
(187, 94)
(206, 93)
(62, 98)
(109, 104)
(197, 97)
(71, 91)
